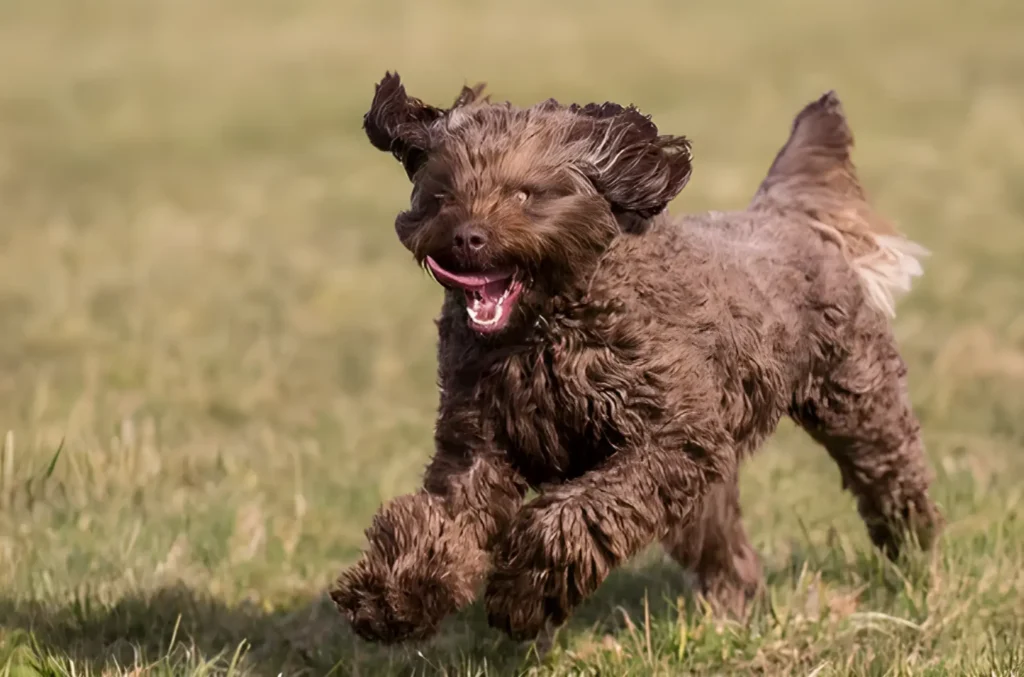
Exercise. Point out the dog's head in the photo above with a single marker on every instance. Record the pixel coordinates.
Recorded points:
(511, 206)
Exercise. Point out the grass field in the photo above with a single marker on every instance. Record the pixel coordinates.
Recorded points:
(216, 360)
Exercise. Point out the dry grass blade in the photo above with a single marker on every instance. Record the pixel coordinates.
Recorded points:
(7, 470)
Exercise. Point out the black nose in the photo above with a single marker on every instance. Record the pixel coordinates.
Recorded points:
(469, 238)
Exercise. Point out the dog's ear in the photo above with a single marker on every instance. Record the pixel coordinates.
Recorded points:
(470, 95)
(400, 124)
(637, 170)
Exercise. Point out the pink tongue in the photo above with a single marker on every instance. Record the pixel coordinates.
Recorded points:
(486, 284)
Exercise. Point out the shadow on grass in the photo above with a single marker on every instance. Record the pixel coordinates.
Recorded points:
(145, 627)
(655, 582)
(309, 638)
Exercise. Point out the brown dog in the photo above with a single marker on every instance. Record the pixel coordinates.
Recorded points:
(624, 362)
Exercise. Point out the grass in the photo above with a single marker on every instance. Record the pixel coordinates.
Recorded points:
(216, 360)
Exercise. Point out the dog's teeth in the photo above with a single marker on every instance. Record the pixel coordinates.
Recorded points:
(485, 323)
(475, 302)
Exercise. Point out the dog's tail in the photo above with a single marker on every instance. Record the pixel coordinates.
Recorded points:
(814, 175)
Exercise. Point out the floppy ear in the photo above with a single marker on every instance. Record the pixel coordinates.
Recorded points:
(637, 170)
(400, 124)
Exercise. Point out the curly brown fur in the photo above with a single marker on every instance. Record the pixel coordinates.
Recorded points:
(715, 547)
(624, 362)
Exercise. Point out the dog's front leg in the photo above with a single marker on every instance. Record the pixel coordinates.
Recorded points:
(561, 546)
(427, 553)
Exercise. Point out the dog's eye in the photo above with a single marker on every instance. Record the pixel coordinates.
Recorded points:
(521, 196)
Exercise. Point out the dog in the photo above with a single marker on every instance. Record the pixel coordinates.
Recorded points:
(622, 362)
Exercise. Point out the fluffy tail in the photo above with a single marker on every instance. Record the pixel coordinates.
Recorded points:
(813, 175)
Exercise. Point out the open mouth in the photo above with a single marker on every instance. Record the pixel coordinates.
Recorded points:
(490, 296)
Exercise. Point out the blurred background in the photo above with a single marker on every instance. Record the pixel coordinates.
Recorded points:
(216, 360)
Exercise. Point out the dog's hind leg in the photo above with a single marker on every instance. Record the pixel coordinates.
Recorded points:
(714, 546)
(861, 412)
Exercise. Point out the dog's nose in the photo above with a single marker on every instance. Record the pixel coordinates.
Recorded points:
(470, 239)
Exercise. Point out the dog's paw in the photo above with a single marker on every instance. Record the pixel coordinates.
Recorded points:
(416, 571)
(914, 528)
(534, 580)
(388, 606)
(518, 606)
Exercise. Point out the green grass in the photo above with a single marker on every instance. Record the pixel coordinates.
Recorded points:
(205, 309)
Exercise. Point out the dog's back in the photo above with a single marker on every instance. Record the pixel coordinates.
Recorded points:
(809, 213)
(766, 297)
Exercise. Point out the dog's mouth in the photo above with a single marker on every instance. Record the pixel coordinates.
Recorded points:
(490, 295)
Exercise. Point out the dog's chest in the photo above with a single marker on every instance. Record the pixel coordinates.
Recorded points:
(560, 409)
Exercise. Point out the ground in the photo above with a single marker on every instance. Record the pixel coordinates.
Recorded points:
(217, 361)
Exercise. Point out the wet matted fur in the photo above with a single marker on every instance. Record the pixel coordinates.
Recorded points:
(623, 362)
